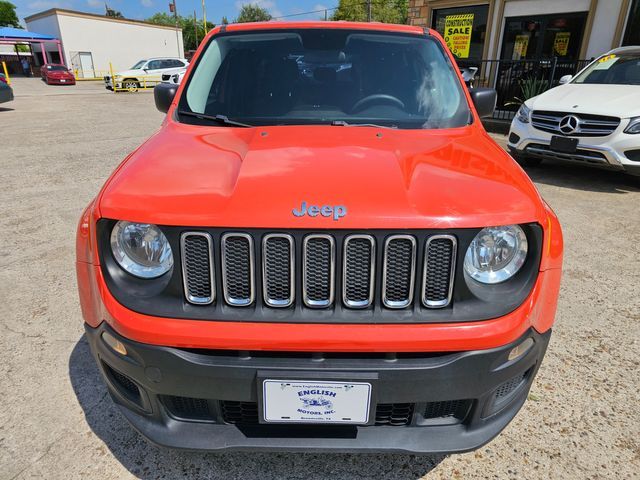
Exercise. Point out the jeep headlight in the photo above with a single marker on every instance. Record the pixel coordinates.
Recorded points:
(496, 254)
(141, 249)
(634, 126)
(523, 113)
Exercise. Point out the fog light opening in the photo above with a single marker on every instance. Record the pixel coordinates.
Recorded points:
(115, 344)
(520, 349)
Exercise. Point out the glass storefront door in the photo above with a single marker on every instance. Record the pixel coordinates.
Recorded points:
(464, 30)
(632, 30)
(543, 36)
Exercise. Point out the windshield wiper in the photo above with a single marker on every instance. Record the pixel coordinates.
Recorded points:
(214, 118)
(342, 123)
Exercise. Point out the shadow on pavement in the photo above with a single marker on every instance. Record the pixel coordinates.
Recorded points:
(583, 178)
(148, 461)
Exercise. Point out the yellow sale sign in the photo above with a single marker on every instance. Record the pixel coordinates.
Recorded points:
(457, 33)
(561, 43)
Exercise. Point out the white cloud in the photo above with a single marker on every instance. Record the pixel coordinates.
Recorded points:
(147, 3)
(47, 4)
(95, 3)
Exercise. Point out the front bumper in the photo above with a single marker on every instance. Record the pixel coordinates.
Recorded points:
(207, 399)
(607, 152)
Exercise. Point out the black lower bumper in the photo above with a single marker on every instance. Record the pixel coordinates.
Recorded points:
(421, 403)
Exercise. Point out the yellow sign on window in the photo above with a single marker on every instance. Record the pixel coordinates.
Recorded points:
(457, 33)
(520, 47)
(561, 43)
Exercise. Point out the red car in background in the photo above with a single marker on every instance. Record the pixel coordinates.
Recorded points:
(56, 74)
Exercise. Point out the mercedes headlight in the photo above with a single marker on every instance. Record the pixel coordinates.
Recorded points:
(634, 126)
(523, 113)
(496, 254)
(141, 249)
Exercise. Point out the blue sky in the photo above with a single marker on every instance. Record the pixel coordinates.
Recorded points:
(141, 9)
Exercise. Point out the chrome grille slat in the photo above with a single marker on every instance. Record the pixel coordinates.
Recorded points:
(235, 280)
(197, 267)
(588, 124)
(439, 271)
(318, 270)
(238, 269)
(358, 271)
(278, 269)
(398, 274)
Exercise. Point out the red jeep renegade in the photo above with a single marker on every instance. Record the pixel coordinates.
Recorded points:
(321, 249)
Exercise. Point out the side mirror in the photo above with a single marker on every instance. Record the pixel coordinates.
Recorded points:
(484, 100)
(163, 94)
(565, 79)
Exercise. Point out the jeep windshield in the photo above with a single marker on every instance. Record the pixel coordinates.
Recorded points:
(325, 76)
(621, 69)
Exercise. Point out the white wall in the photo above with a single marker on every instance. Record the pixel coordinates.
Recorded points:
(604, 27)
(521, 8)
(120, 43)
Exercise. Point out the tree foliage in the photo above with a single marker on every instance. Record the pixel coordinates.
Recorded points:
(189, 31)
(110, 12)
(387, 11)
(8, 17)
(252, 12)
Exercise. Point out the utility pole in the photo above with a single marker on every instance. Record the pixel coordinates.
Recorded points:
(325, 14)
(173, 9)
(368, 10)
(204, 17)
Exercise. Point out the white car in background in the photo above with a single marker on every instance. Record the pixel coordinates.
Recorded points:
(590, 119)
(174, 77)
(148, 71)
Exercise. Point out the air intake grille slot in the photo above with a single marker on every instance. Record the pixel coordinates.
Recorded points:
(359, 256)
(451, 409)
(439, 267)
(394, 414)
(239, 412)
(399, 271)
(125, 385)
(318, 270)
(188, 408)
(238, 269)
(197, 268)
(278, 270)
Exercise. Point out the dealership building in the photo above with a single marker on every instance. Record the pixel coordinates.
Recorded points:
(569, 30)
(91, 42)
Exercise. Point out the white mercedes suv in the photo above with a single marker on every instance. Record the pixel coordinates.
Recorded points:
(591, 119)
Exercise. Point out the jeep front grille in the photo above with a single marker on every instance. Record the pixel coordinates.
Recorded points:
(308, 269)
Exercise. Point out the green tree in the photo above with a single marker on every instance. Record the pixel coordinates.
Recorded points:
(189, 32)
(224, 21)
(387, 11)
(8, 17)
(110, 12)
(252, 12)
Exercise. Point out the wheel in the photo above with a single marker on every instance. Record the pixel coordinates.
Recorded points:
(527, 161)
(130, 85)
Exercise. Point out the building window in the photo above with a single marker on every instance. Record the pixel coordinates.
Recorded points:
(632, 30)
(543, 36)
(464, 29)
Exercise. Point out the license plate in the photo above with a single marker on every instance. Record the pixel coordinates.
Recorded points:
(563, 144)
(316, 402)
(62, 81)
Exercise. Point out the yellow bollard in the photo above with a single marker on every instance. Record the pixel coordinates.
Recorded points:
(6, 73)
(113, 80)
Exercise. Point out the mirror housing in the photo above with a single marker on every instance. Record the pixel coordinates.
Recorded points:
(484, 99)
(565, 79)
(163, 94)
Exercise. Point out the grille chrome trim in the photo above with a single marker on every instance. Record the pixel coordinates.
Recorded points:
(372, 267)
(332, 271)
(397, 304)
(269, 301)
(238, 302)
(589, 125)
(454, 251)
(191, 298)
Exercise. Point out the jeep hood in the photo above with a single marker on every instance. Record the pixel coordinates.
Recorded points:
(614, 100)
(254, 177)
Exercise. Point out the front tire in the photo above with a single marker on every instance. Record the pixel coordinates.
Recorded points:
(130, 84)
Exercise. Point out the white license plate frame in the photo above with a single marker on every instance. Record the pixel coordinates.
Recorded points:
(316, 401)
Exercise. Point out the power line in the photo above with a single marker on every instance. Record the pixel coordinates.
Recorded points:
(306, 13)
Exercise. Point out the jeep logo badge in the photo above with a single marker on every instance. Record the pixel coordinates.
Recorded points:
(337, 212)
